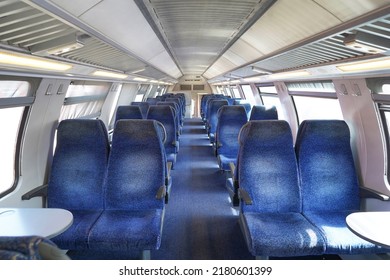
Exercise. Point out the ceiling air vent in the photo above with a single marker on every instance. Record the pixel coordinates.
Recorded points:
(198, 87)
(185, 87)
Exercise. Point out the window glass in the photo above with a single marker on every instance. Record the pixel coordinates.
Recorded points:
(267, 89)
(14, 89)
(114, 105)
(236, 92)
(317, 108)
(268, 94)
(322, 86)
(380, 88)
(248, 94)
(142, 90)
(11, 117)
(385, 89)
(84, 100)
(269, 101)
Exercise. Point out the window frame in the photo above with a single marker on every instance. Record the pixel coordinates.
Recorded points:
(12, 102)
(75, 100)
(312, 93)
(382, 104)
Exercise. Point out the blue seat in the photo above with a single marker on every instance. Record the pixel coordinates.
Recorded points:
(270, 214)
(212, 116)
(178, 121)
(128, 112)
(230, 121)
(144, 106)
(77, 175)
(247, 106)
(166, 115)
(260, 112)
(134, 190)
(329, 184)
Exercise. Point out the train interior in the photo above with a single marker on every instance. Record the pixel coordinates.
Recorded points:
(304, 59)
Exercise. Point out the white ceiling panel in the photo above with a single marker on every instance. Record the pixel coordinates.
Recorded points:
(76, 7)
(349, 9)
(287, 22)
(200, 25)
(121, 21)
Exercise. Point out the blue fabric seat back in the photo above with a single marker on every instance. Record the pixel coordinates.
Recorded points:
(203, 104)
(175, 107)
(79, 165)
(178, 102)
(213, 113)
(326, 167)
(128, 112)
(152, 101)
(230, 121)
(263, 113)
(165, 115)
(144, 106)
(247, 106)
(267, 167)
(136, 166)
(207, 106)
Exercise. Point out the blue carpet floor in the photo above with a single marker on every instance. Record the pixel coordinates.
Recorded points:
(200, 222)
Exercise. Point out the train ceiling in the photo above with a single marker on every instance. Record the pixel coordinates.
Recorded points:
(219, 39)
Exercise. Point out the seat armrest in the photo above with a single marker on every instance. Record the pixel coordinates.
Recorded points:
(38, 191)
(232, 168)
(369, 193)
(244, 196)
(161, 193)
(169, 168)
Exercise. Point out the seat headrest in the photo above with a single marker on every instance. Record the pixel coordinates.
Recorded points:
(263, 113)
(138, 132)
(81, 132)
(128, 112)
(266, 133)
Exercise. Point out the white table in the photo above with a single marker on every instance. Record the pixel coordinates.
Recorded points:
(371, 226)
(46, 222)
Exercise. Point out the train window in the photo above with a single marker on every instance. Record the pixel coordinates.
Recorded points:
(15, 98)
(116, 91)
(317, 108)
(248, 94)
(84, 100)
(142, 91)
(315, 100)
(380, 88)
(235, 92)
(220, 89)
(152, 92)
(269, 97)
(160, 91)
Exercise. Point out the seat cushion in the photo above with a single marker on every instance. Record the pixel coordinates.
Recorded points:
(281, 235)
(126, 230)
(338, 238)
(76, 236)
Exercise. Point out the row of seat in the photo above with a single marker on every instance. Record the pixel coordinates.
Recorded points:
(167, 109)
(223, 118)
(230, 120)
(116, 194)
(295, 199)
